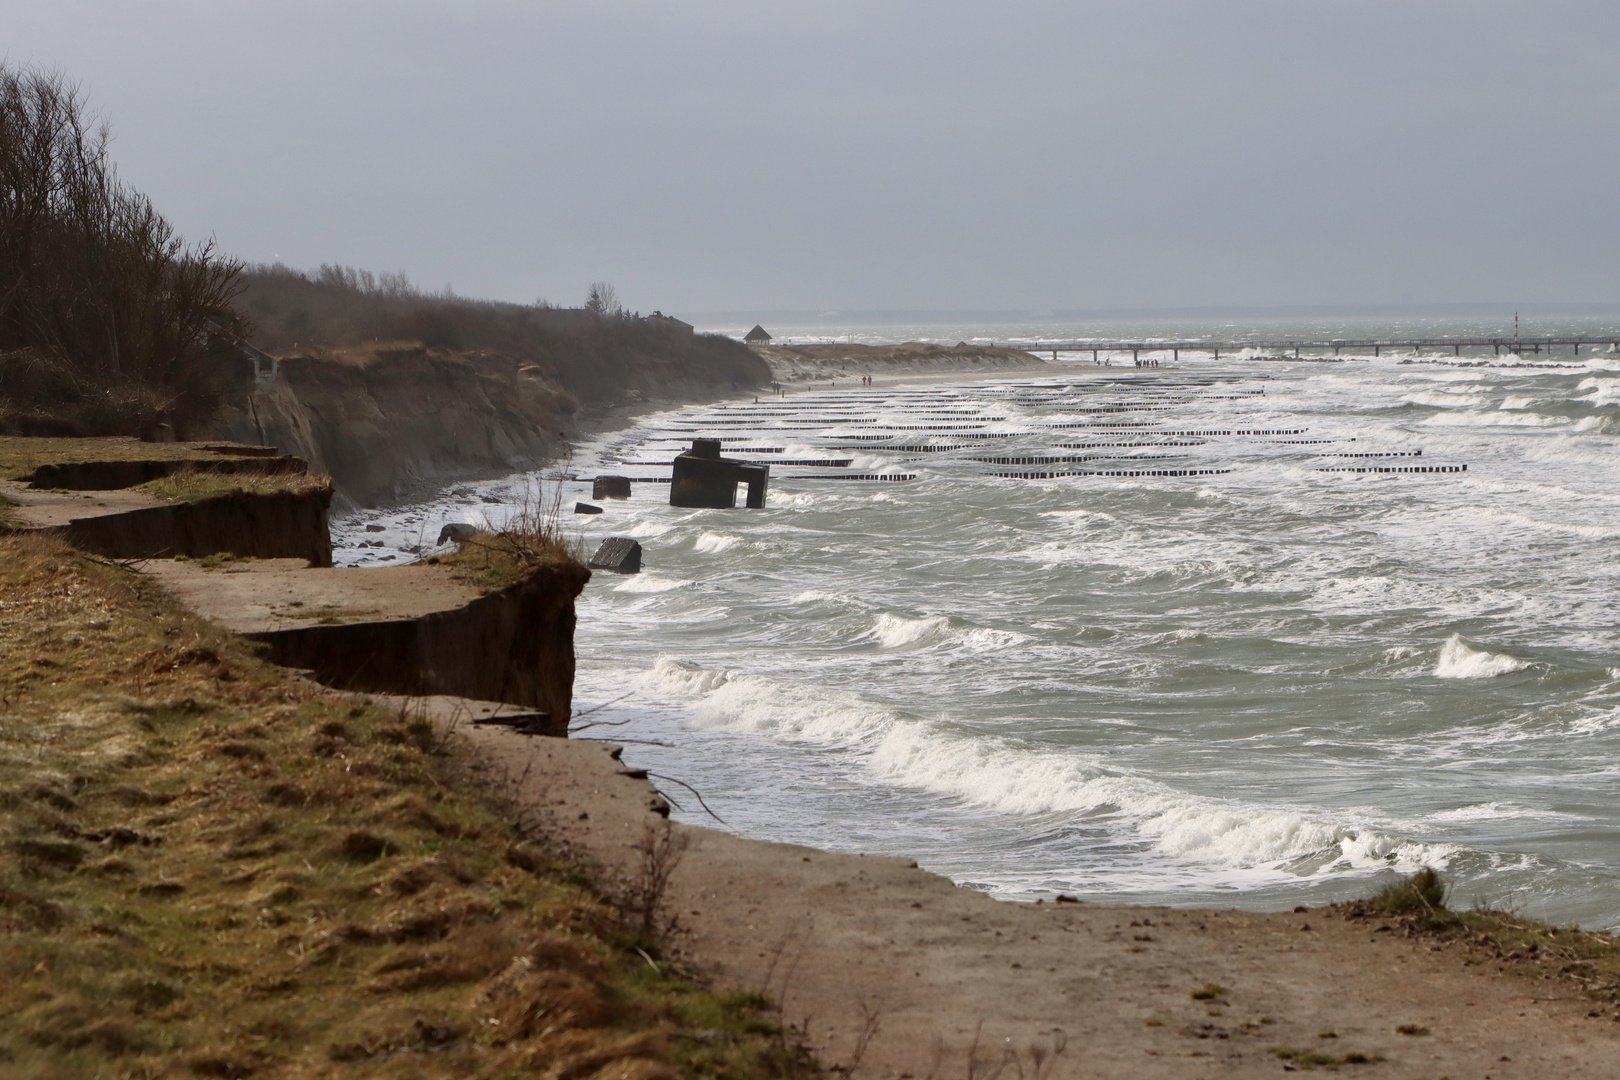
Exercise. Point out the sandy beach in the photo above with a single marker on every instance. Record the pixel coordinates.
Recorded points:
(932, 977)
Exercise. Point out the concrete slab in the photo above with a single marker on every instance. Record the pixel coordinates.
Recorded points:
(43, 508)
(254, 595)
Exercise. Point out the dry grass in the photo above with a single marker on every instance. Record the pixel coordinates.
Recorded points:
(20, 456)
(211, 869)
(533, 538)
(1516, 943)
(191, 485)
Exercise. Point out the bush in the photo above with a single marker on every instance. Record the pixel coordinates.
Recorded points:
(1424, 891)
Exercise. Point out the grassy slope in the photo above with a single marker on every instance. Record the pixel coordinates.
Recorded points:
(212, 869)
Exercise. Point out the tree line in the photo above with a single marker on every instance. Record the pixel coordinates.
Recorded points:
(106, 314)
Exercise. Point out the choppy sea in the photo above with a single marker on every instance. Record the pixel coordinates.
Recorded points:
(1195, 634)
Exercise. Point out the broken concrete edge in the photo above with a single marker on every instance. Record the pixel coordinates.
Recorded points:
(114, 475)
(273, 525)
(619, 554)
(515, 645)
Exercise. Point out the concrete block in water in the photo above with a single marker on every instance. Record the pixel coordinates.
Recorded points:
(703, 479)
(586, 508)
(610, 487)
(619, 554)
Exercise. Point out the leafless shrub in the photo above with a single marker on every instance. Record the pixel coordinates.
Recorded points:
(1042, 1057)
(871, 1024)
(659, 852)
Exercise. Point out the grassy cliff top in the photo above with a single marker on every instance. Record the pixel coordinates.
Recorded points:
(21, 455)
(188, 486)
(211, 868)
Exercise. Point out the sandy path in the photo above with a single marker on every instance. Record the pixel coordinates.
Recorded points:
(841, 937)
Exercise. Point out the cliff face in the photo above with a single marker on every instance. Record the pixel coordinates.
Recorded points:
(396, 422)
(392, 422)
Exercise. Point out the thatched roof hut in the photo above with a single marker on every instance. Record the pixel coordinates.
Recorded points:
(757, 336)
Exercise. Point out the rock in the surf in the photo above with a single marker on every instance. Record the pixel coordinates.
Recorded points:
(586, 508)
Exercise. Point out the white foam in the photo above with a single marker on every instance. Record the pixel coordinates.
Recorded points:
(1008, 779)
(892, 631)
(1460, 659)
(821, 596)
(788, 500)
(1498, 811)
(651, 583)
(1444, 399)
(1493, 419)
(711, 543)
(1517, 402)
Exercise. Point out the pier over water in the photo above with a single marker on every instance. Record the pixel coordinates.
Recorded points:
(1337, 346)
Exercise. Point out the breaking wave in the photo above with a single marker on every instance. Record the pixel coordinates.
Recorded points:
(1461, 659)
(1000, 776)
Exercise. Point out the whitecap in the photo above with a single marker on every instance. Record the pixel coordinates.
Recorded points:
(1460, 659)
(651, 583)
(1442, 399)
(1008, 779)
(892, 631)
(711, 543)
(1493, 419)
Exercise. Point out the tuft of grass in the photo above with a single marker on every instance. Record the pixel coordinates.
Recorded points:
(1507, 938)
(1208, 992)
(190, 485)
(533, 539)
(209, 868)
(1411, 1029)
(1309, 1060)
(1421, 892)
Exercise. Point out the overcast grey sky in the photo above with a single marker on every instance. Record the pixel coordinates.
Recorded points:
(708, 155)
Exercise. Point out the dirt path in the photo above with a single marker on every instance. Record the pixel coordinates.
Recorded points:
(845, 941)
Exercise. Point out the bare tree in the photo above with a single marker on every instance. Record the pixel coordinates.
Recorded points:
(96, 289)
(603, 301)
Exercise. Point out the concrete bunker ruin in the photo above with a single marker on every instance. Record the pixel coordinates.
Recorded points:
(705, 480)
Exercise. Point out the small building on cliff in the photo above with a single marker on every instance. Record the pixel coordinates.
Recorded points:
(757, 336)
(668, 322)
